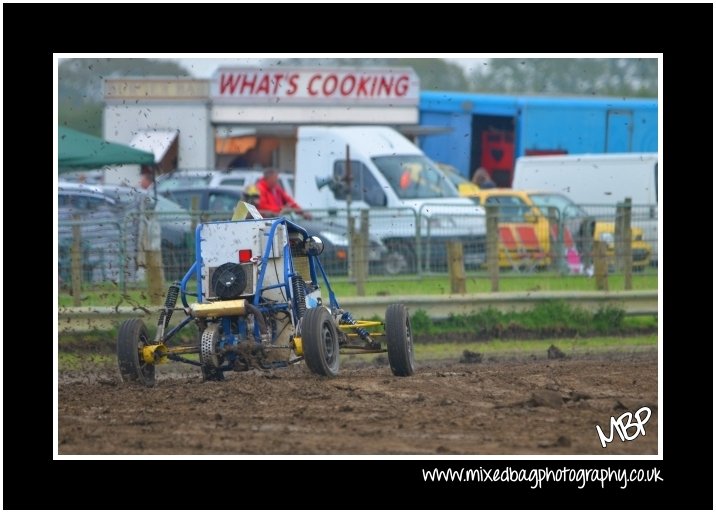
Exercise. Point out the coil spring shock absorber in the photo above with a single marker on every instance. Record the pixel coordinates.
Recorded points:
(299, 295)
(166, 314)
(362, 332)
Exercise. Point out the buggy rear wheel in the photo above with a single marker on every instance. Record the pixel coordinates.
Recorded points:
(208, 356)
(320, 342)
(133, 336)
(399, 336)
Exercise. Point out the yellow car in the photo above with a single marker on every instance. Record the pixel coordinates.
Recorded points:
(640, 249)
(525, 234)
(578, 223)
(525, 214)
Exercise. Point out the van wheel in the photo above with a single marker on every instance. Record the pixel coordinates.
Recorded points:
(400, 259)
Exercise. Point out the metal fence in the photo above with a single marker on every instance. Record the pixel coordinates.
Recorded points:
(97, 248)
(398, 241)
(403, 241)
(606, 224)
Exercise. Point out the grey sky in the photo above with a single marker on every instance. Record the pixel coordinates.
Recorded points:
(204, 67)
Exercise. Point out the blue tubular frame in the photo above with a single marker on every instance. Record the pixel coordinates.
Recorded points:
(194, 269)
(314, 261)
(331, 296)
(197, 262)
(185, 280)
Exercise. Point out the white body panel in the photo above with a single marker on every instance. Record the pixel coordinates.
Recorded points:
(220, 243)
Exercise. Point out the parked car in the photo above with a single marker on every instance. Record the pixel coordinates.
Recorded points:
(89, 177)
(580, 226)
(528, 212)
(206, 199)
(99, 220)
(241, 178)
(109, 217)
(245, 177)
(185, 178)
(219, 203)
(176, 225)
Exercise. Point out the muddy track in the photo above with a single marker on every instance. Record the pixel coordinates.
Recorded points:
(496, 407)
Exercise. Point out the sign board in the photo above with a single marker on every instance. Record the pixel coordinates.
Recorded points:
(320, 86)
(155, 89)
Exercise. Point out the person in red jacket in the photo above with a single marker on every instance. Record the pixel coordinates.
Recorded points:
(273, 200)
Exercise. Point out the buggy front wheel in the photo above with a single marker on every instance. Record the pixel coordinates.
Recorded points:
(320, 342)
(133, 336)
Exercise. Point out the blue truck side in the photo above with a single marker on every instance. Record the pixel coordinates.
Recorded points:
(493, 130)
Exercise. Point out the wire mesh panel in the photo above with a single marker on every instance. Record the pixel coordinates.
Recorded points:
(389, 246)
(439, 224)
(543, 241)
(101, 244)
(602, 223)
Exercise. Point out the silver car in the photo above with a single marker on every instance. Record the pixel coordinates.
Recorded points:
(196, 178)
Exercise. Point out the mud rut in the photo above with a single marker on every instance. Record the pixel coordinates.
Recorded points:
(499, 407)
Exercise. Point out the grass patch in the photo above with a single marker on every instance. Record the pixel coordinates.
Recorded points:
(69, 360)
(572, 346)
(412, 285)
(548, 318)
(105, 341)
(98, 341)
(501, 349)
(111, 295)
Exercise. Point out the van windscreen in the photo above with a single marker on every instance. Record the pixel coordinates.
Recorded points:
(414, 177)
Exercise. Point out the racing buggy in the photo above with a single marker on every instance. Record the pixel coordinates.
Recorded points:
(259, 302)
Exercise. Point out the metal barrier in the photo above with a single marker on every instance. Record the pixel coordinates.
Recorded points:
(392, 236)
(102, 254)
(439, 224)
(400, 241)
(605, 228)
(642, 302)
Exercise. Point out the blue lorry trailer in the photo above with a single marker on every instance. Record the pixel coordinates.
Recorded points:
(492, 131)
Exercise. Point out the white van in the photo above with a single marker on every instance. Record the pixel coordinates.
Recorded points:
(407, 196)
(598, 182)
(592, 179)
